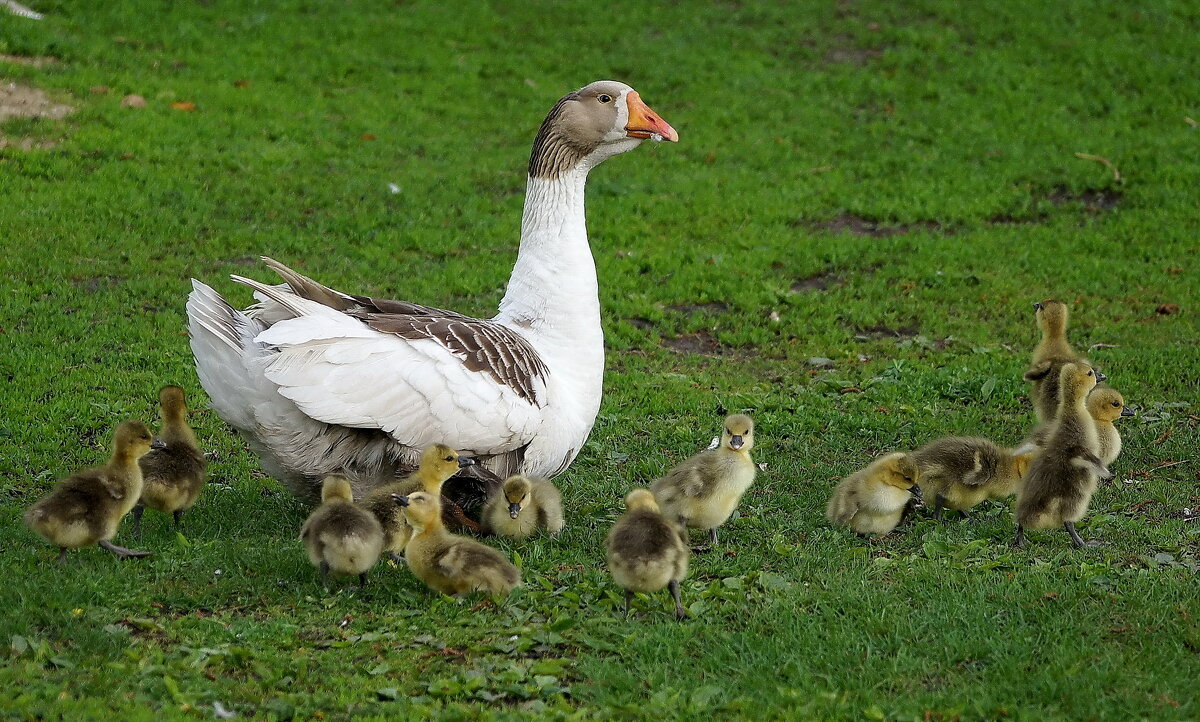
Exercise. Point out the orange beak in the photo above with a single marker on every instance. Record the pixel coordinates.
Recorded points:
(645, 123)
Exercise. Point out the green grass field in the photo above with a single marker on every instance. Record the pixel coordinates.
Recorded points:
(895, 182)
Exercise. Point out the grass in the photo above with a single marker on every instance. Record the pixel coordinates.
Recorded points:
(897, 182)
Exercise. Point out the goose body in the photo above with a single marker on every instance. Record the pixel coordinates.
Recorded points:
(321, 381)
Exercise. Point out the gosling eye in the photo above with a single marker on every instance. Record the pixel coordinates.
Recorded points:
(448, 458)
(1116, 404)
(604, 98)
(1089, 373)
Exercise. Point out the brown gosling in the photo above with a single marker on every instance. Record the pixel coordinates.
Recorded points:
(1064, 475)
(959, 472)
(449, 563)
(1106, 405)
(438, 463)
(523, 506)
(873, 500)
(1048, 358)
(173, 476)
(647, 550)
(341, 536)
(703, 491)
(86, 508)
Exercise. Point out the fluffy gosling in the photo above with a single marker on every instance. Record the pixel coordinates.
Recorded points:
(438, 463)
(647, 550)
(1064, 475)
(449, 563)
(703, 491)
(1048, 358)
(962, 471)
(174, 475)
(873, 500)
(1105, 405)
(86, 507)
(523, 506)
(341, 536)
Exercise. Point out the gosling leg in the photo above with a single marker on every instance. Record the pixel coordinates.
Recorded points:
(1020, 541)
(62, 555)
(674, 587)
(178, 514)
(628, 601)
(137, 520)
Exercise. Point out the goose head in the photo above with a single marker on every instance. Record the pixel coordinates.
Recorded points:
(516, 494)
(596, 122)
(641, 500)
(134, 440)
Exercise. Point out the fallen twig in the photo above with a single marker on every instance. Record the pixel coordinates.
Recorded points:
(1105, 161)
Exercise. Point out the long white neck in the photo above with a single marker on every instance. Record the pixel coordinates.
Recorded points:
(552, 295)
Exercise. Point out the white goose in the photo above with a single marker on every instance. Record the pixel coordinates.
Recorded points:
(323, 382)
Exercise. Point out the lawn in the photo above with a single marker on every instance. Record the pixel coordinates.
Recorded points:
(846, 242)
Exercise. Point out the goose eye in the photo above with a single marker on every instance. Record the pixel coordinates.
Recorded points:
(448, 458)
(604, 98)
(1089, 373)
(1116, 404)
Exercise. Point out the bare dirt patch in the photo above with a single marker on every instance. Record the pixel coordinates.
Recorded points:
(859, 226)
(639, 322)
(695, 343)
(908, 330)
(28, 60)
(1095, 200)
(21, 101)
(817, 282)
(692, 309)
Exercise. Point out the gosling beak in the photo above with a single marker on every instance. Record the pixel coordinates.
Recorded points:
(401, 500)
(916, 491)
(645, 123)
(1037, 306)
(1101, 376)
(1126, 411)
(514, 510)
(736, 442)
(464, 461)
(158, 444)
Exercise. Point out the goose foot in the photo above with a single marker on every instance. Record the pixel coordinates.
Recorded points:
(122, 552)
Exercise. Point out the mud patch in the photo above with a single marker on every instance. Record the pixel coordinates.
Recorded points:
(817, 282)
(29, 61)
(701, 343)
(93, 284)
(639, 322)
(691, 309)
(859, 226)
(1095, 200)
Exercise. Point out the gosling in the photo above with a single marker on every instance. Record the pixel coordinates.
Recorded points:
(703, 491)
(523, 506)
(873, 500)
(962, 471)
(1064, 475)
(1105, 405)
(340, 536)
(438, 463)
(647, 550)
(87, 507)
(173, 476)
(448, 563)
(1048, 358)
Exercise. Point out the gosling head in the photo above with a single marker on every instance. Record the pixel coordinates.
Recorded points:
(132, 438)
(420, 508)
(336, 487)
(1107, 404)
(901, 471)
(441, 462)
(598, 121)
(1076, 381)
(641, 500)
(516, 493)
(738, 433)
(172, 402)
(1051, 317)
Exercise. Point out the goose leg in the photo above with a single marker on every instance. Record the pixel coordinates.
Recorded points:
(178, 514)
(62, 555)
(712, 536)
(628, 602)
(938, 502)
(122, 552)
(1020, 541)
(325, 574)
(362, 579)
(396, 558)
(674, 587)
